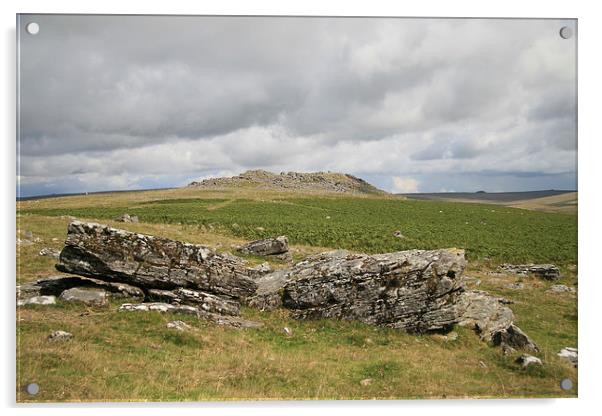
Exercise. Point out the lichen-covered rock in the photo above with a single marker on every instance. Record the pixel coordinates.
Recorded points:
(55, 285)
(260, 270)
(491, 319)
(87, 296)
(570, 354)
(560, 289)
(114, 255)
(526, 360)
(49, 252)
(202, 300)
(179, 326)
(60, 336)
(544, 271)
(412, 290)
(37, 300)
(230, 321)
(127, 218)
(266, 246)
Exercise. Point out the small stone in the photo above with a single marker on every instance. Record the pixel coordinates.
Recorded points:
(569, 354)
(287, 331)
(87, 296)
(60, 336)
(526, 360)
(266, 246)
(37, 300)
(452, 336)
(366, 382)
(49, 252)
(560, 289)
(179, 326)
(398, 234)
(482, 364)
(24, 242)
(507, 350)
(516, 286)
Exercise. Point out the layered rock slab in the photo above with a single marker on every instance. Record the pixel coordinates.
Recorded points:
(412, 290)
(114, 255)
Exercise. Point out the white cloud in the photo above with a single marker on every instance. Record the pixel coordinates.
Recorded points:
(404, 185)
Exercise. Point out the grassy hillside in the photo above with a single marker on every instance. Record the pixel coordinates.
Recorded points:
(487, 232)
(134, 357)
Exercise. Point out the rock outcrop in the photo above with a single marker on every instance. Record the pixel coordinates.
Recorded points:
(492, 320)
(544, 271)
(266, 246)
(314, 181)
(86, 296)
(413, 290)
(105, 253)
(56, 285)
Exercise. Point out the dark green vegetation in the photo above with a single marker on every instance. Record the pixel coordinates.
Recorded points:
(487, 232)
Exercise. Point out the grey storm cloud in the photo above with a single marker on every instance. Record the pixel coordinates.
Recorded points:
(119, 102)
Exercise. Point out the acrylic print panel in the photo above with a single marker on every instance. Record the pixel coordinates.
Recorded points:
(259, 208)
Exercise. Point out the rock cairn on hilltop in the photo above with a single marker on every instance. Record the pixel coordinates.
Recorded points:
(313, 181)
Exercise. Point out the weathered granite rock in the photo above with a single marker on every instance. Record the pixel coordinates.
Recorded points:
(49, 252)
(560, 289)
(127, 218)
(526, 360)
(492, 320)
(231, 321)
(114, 255)
(87, 296)
(516, 286)
(60, 336)
(37, 300)
(569, 354)
(55, 285)
(266, 247)
(412, 290)
(179, 326)
(202, 300)
(260, 270)
(545, 271)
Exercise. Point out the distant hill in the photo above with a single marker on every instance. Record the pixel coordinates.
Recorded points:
(312, 181)
(548, 200)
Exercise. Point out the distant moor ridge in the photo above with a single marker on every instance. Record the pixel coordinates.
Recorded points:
(312, 181)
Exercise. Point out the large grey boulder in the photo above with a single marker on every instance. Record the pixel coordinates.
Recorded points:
(544, 271)
(105, 253)
(412, 290)
(492, 320)
(266, 247)
(86, 296)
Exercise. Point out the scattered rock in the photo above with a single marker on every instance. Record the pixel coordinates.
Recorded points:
(49, 252)
(526, 360)
(87, 296)
(60, 336)
(482, 364)
(202, 300)
(366, 382)
(287, 331)
(179, 326)
(398, 234)
(114, 255)
(24, 242)
(516, 286)
(412, 290)
(452, 336)
(544, 271)
(37, 300)
(570, 354)
(230, 321)
(127, 218)
(560, 289)
(266, 246)
(492, 320)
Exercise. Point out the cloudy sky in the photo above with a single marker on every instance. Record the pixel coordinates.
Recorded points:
(411, 105)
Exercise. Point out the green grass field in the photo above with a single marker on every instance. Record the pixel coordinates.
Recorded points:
(134, 357)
